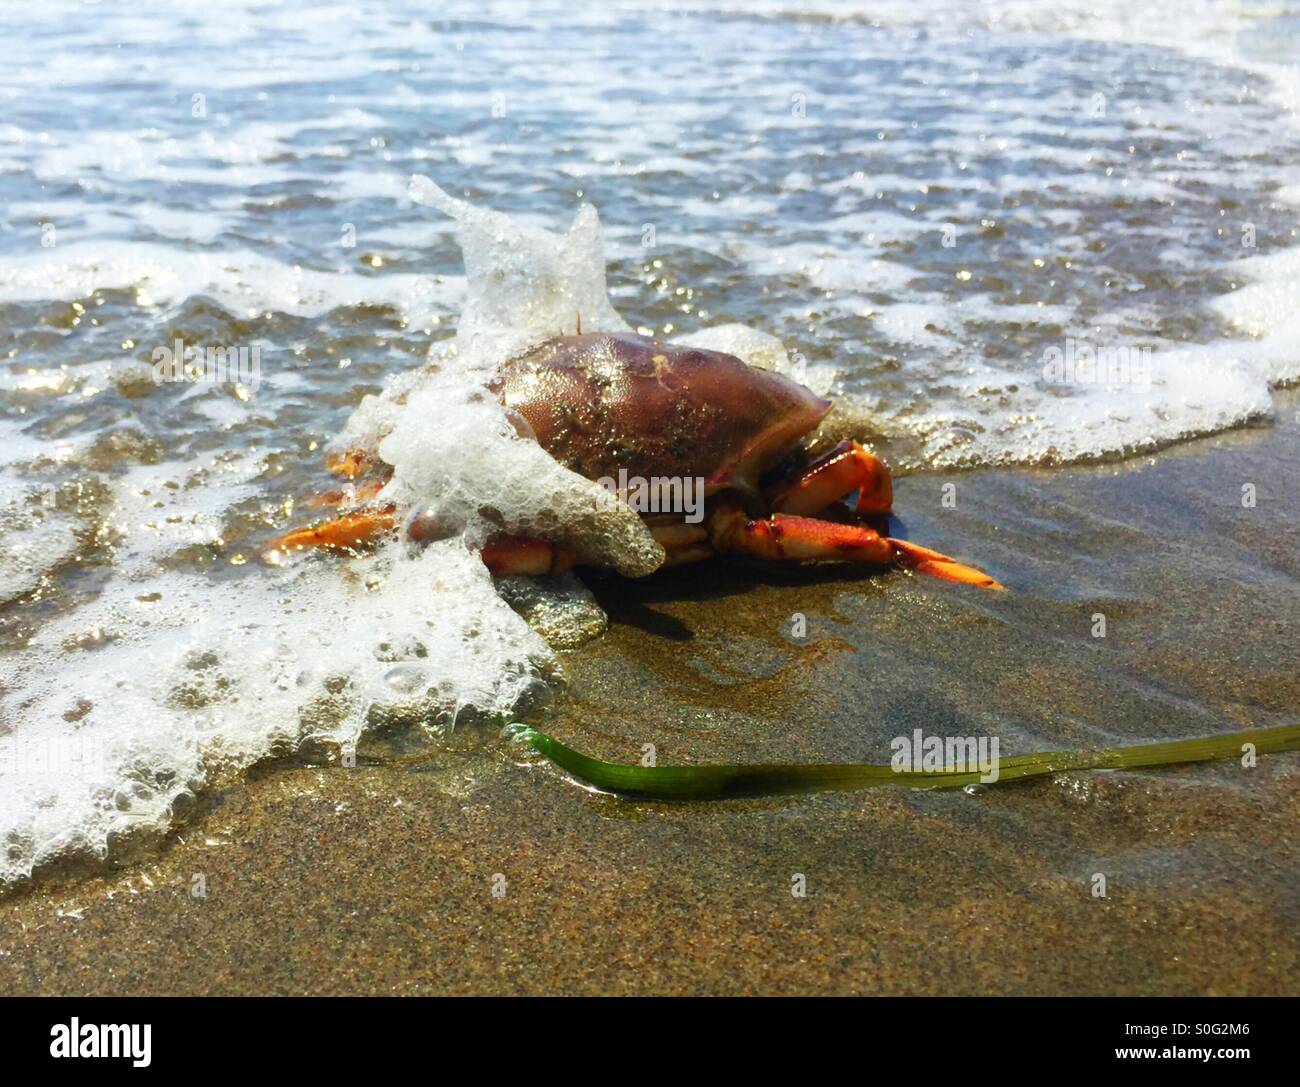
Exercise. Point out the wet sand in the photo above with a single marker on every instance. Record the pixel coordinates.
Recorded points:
(380, 879)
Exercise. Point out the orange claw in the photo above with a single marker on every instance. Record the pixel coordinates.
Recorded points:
(785, 536)
(927, 561)
(846, 468)
(347, 533)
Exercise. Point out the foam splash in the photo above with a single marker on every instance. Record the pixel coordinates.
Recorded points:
(527, 284)
(454, 453)
(170, 677)
(148, 695)
(457, 459)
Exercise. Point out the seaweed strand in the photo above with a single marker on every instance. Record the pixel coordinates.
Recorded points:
(717, 781)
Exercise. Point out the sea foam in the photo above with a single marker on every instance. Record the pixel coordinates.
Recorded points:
(169, 677)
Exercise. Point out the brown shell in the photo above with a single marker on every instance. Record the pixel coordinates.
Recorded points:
(605, 401)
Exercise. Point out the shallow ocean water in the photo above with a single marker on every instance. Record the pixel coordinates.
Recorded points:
(918, 205)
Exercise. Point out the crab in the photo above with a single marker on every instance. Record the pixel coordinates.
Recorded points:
(602, 404)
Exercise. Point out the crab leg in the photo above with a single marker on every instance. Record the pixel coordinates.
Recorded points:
(846, 468)
(351, 530)
(346, 533)
(525, 555)
(506, 555)
(784, 536)
(682, 542)
(927, 561)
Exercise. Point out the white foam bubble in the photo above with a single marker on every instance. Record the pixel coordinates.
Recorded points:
(172, 676)
(169, 678)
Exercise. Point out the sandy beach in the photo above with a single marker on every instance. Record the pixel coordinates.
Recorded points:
(381, 879)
